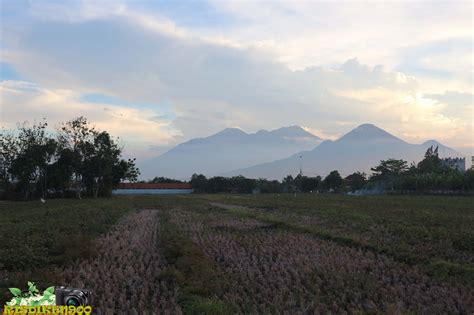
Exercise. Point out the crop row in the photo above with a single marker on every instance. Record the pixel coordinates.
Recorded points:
(125, 273)
(408, 241)
(415, 228)
(277, 270)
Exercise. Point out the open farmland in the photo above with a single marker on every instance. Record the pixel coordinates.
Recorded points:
(248, 254)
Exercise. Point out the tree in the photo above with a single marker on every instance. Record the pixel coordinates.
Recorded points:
(389, 172)
(199, 183)
(242, 185)
(61, 170)
(77, 136)
(100, 158)
(8, 153)
(267, 186)
(356, 181)
(333, 180)
(387, 169)
(469, 179)
(35, 150)
(218, 184)
(31, 155)
(124, 170)
(289, 184)
(102, 168)
(309, 184)
(431, 163)
(160, 180)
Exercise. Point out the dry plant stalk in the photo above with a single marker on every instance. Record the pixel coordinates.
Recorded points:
(276, 270)
(124, 276)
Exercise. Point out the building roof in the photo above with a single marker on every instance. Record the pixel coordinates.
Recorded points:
(154, 186)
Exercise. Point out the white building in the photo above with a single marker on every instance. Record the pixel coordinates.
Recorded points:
(455, 163)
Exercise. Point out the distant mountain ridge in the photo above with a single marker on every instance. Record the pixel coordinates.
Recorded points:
(358, 150)
(229, 149)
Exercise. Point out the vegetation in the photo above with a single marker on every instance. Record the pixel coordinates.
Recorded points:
(126, 275)
(197, 275)
(79, 158)
(265, 253)
(422, 230)
(275, 269)
(38, 235)
(430, 176)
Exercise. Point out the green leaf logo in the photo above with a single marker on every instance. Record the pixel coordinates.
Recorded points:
(15, 291)
(50, 290)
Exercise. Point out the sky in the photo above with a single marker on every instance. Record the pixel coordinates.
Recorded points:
(157, 73)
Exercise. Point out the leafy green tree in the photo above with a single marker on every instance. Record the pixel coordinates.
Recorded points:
(333, 181)
(309, 184)
(123, 170)
(79, 153)
(218, 184)
(100, 158)
(77, 137)
(60, 171)
(356, 181)
(387, 169)
(199, 183)
(469, 179)
(36, 149)
(431, 163)
(267, 186)
(242, 185)
(8, 153)
(289, 184)
(389, 172)
(102, 167)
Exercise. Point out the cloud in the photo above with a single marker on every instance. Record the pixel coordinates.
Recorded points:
(460, 106)
(307, 33)
(413, 116)
(135, 127)
(454, 98)
(242, 79)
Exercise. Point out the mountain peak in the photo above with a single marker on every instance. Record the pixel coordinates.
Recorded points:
(367, 126)
(293, 131)
(366, 132)
(230, 132)
(431, 142)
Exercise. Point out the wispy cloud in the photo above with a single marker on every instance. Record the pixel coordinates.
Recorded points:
(277, 63)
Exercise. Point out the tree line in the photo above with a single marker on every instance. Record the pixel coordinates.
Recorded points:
(430, 175)
(74, 160)
(300, 183)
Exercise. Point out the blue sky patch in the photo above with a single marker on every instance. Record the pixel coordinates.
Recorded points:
(163, 110)
(7, 72)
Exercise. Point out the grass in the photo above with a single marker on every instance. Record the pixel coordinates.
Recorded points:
(433, 232)
(276, 266)
(197, 275)
(36, 236)
(413, 229)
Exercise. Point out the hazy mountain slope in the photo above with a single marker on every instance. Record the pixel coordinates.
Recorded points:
(358, 150)
(227, 150)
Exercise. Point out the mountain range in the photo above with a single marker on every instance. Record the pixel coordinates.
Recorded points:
(228, 150)
(275, 154)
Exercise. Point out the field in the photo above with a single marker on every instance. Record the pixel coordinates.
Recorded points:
(218, 254)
